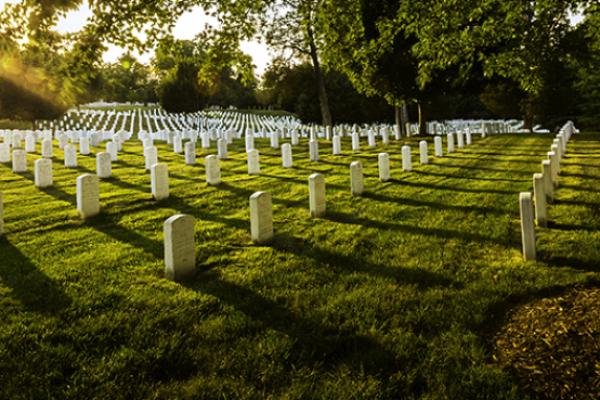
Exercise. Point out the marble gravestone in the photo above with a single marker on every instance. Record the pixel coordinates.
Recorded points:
(423, 156)
(406, 159)
(356, 178)
(437, 141)
(5, 153)
(43, 173)
(19, 161)
(103, 165)
(527, 226)
(88, 195)
(70, 156)
(286, 155)
(190, 153)
(213, 170)
(316, 191)
(159, 181)
(253, 162)
(383, 161)
(180, 251)
(337, 145)
(261, 217)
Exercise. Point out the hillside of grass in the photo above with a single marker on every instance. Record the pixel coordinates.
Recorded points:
(395, 294)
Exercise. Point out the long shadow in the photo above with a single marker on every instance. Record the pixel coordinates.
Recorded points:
(437, 232)
(431, 204)
(479, 168)
(581, 176)
(344, 264)
(570, 262)
(246, 193)
(315, 345)
(28, 284)
(492, 160)
(450, 188)
(571, 227)
(450, 176)
(578, 203)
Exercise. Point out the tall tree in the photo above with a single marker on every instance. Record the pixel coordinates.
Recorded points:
(291, 27)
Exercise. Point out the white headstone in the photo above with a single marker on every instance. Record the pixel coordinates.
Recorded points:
(177, 144)
(261, 217)
(406, 158)
(47, 148)
(70, 156)
(437, 142)
(274, 140)
(423, 154)
(357, 185)
(371, 138)
(383, 161)
(222, 149)
(103, 165)
(43, 173)
(88, 195)
(460, 140)
(111, 148)
(180, 251)
(313, 147)
(151, 157)
(450, 144)
(4, 152)
(527, 226)
(249, 142)
(316, 191)
(337, 145)
(19, 161)
(385, 136)
(253, 162)
(205, 140)
(62, 141)
(159, 180)
(554, 161)
(213, 170)
(84, 146)
(548, 185)
(190, 153)
(469, 138)
(286, 155)
(539, 194)
(30, 142)
(295, 139)
(355, 141)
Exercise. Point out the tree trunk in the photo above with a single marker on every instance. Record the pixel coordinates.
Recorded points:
(323, 100)
(398, 120)
(422, 119)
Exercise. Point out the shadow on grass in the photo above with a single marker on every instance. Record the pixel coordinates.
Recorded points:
(431, 204)
(451, 188)
(437, 163)
(474, 178)
(315, 345)
(437, 232)
(28, 284)
(355, 263)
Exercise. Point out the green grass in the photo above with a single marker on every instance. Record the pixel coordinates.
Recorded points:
(395, 294)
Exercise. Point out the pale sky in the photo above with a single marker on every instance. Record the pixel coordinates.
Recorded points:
(188, 25)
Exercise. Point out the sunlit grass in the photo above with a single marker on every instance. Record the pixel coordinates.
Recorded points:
(394, 294)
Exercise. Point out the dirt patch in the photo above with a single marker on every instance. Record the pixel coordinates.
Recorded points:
(552, 346)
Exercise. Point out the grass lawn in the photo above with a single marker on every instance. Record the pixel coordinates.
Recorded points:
(395, 294)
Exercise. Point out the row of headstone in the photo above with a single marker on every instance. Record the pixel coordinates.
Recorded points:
(544, 184)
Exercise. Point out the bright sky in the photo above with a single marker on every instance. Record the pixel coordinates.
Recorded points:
(188, 25)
